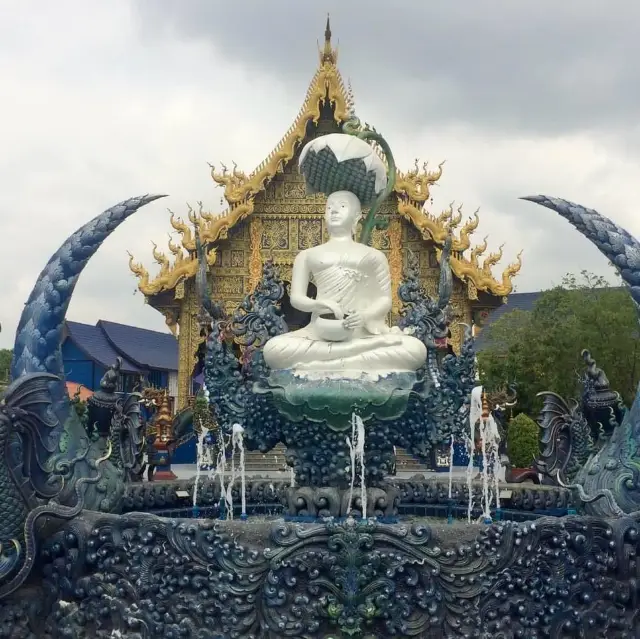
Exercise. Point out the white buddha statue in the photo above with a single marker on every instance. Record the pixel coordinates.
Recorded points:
(348, 335)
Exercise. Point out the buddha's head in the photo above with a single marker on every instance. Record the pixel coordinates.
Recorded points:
(342, 213)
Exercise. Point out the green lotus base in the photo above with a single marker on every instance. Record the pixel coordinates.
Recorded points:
(334, 401)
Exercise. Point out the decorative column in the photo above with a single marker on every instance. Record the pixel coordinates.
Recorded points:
(395, 261)
(255, 254)
(456, 327)
(189, 339)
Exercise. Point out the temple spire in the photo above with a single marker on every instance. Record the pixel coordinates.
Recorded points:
(328, 53)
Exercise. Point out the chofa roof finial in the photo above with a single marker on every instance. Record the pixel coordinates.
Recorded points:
(328, 53)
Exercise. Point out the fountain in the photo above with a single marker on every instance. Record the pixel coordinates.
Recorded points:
(475, 415)
(356, 454)
(201, 461)
(79, 558)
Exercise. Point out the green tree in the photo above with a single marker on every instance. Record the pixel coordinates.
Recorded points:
(523, 436)
(202, 416)
(5, 363)
(541, 349)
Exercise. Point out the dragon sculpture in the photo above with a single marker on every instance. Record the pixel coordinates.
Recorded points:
(428, 318)
(51, 467)
(118, 419)
(572, 431)
(602, 463)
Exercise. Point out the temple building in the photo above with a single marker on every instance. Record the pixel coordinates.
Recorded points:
(148, 357)
(271, 216)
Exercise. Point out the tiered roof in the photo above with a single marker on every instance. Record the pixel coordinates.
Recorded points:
(240, 190)
(140, 349)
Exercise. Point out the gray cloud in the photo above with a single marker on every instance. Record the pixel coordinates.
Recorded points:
(543, 66)
(105, 101)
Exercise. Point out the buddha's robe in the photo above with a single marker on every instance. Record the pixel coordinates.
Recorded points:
(357, 280)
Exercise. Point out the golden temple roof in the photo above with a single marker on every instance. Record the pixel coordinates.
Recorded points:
(412, 190)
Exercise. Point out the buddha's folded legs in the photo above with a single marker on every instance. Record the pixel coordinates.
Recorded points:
(389, 352)
(391, 359)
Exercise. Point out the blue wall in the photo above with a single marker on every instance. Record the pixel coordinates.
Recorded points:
(159, 379)
(79, 368)
(186, 454)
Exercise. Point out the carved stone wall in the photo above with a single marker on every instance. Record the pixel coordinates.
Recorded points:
(291, 220)
(141, 576)
(229, 279)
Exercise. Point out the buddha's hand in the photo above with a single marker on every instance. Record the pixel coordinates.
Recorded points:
(322, 306)
(353, 321)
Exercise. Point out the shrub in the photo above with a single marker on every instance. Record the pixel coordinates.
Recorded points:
(81, 407)
(523, 444)
(202, 416)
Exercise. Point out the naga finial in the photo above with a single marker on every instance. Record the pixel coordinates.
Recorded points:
(597, 391)
(594, 373)
(445, 285)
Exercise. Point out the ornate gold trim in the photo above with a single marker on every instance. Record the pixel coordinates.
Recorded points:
(438, 228)
(395, 261)
(255, 257)
(326, 84)
(415, 184)
(484, 280)
(492, 259)
(215, 227)
(184, 267)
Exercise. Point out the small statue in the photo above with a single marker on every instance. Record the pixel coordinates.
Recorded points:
(109, 381)
(102, 404)
(601, 406)
(348, 334)
(594, 375)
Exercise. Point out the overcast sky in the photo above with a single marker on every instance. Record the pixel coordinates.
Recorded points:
(104, 100)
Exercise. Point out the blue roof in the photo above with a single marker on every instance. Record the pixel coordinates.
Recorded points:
(95, 345)
(146, 349)
(516, 302)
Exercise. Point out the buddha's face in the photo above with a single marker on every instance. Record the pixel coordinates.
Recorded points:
(342, 213)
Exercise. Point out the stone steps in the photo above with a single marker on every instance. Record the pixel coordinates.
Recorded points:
(407, 463)
(275, 461)
(257, 462)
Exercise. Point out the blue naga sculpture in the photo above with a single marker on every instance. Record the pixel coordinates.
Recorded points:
(51, 467)
(595, 445)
